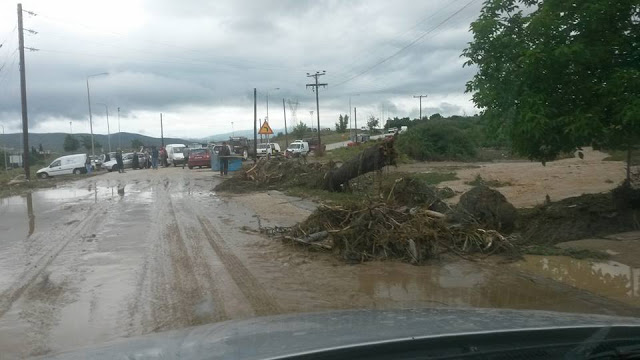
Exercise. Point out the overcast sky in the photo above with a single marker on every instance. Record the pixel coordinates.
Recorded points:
(197, 62)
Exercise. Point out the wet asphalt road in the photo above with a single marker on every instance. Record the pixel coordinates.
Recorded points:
(83, 264)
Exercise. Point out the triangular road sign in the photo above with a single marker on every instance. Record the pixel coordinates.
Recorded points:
(265, 129)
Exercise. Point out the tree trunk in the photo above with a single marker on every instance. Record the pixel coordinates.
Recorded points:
(372, 158)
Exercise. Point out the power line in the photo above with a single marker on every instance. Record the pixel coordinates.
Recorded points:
(406, 46)
(397, 38)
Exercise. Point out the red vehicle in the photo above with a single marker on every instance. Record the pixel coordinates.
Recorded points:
(199, 157)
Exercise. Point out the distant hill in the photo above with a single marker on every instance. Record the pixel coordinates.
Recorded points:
(55, 141)
(246, 133)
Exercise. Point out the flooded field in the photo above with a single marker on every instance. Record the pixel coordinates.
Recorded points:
(120, 255)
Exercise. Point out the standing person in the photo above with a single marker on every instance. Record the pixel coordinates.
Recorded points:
(119, 161)
(224, 160)
(154, 158)
(87, 164)
(165, 157)
(135, 162)
(185, 154)
(147, 164)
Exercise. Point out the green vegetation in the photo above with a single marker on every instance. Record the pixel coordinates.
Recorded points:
(478, 181)
(71, 143)
(343, 123)
(136, 144)
(300, 130)
(373, 123)
(437, 141)
(552, 80)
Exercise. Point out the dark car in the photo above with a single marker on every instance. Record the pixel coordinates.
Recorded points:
(199, 157)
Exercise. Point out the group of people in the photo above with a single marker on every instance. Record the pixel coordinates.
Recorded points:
(150, 161)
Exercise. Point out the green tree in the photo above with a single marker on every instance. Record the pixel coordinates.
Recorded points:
(86, 143)
(71, 143)
(343, 123)
(397, 122)
(435, 116)
(136, 144)
(373, 123)
(555, 75)
(300, 130)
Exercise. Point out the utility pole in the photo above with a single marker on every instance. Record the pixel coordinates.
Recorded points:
(351, 114)
(93, 149)
(23, 97)
(70, 128)
(161, 131)
(420, 97)
(4, 150)
(255, 125)
(355, 119)
(315, 88)
(119, 133)
(106, 109)
(286, 133)
(233, 132)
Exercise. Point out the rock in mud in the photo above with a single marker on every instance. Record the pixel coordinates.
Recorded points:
(488, 207)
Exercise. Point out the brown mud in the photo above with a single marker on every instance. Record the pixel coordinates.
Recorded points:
(86, 263)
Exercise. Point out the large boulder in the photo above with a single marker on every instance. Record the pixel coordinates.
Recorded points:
(489, 208)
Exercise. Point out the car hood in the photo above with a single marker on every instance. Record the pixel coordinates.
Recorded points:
(110, 163)
(43, 169)
(275, 336)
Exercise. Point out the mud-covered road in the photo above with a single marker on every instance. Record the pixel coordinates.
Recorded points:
(86, 263)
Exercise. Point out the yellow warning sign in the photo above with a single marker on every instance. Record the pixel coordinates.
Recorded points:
(265, 129)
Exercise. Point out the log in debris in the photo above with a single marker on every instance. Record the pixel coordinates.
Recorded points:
(370, 159)
(277, 173)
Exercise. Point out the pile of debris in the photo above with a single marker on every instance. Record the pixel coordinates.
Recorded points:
(361, 232)
(411, 223)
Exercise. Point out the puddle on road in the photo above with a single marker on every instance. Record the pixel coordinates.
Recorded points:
(39, 210)
(610, 279)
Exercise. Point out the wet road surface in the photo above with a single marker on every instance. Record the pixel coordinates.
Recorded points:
(86, 263)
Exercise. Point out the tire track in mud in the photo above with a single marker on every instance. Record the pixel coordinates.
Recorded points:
(175, 288)
(29, 276)
(260, 300)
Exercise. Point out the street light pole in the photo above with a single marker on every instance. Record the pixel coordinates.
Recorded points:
(70, 128)
(93, 149)
(119, 132)
(268, 102)
(106, 109)
(351, 113)
(4, 150)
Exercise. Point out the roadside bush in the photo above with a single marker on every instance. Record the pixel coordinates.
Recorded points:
(437, 141)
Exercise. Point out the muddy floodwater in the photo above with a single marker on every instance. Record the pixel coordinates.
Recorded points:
(120, 255)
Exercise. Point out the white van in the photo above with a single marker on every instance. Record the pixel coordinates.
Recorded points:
(70, 164)
(175, 154)
(297, 148)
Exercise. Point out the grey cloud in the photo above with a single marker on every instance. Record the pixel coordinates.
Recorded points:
(212, 53)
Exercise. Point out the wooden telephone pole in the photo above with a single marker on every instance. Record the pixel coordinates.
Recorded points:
(420, 97)
(23, 98)
(315, 88)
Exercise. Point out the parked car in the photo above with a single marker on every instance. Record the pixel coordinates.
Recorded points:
(112, 165)
(297, 148)
(268, 149)
(199, 157)
(175, 154)
(241, 145)
(70, 164)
